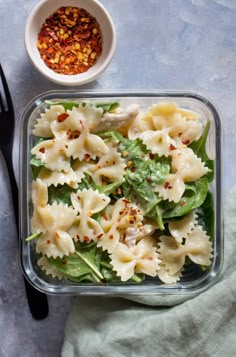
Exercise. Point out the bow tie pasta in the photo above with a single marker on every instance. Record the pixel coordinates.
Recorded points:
(120, 194)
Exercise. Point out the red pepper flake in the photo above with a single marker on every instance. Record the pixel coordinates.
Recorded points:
(126, 201)
(111, 236)
(76, 134)
(185, 141)
(182, 203)
(100, 235)
(64, 261)
(70, 41)
(113, 162)
(62, 117)
(172, 147)
(78, 237)
(142, 155)
(78, 198)
(149, 258)
(69, 134)
(42, 150)
(148, 179)
(133, 169)
(131, 222)
(151, 155)
(133, 212)
(57, 235)
(105, 217)
(166, 185)
(82, 124)
(170, 187)
(48, 241)
(86, 156)
(86, 239)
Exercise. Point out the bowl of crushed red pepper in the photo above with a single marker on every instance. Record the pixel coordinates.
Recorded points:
(70, 42)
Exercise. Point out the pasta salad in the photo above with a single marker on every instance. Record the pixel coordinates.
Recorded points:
(120, 194)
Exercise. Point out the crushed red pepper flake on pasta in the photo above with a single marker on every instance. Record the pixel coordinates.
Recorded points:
(70, 41)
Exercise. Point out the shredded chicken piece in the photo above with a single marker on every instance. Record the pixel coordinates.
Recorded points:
(115, 120)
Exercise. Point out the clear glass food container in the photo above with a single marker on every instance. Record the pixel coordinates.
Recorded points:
(194, 280)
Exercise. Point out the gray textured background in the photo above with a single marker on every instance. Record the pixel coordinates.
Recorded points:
(162, 44)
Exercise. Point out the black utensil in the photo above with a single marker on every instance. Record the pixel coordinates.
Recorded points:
(37, 300)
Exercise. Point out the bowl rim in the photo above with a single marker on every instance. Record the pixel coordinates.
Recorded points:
(65, 79)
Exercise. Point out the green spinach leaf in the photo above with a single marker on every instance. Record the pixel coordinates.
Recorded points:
(206, 215)
(193, 197)
(60, 194)
(83, 264)
(106, 107)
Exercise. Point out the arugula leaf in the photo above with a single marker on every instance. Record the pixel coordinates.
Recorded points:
(199, 148)
(193, 197)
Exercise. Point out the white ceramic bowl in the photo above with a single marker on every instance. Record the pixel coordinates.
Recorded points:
(42, 11)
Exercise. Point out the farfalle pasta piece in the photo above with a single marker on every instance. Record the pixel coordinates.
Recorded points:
(172, 189)
(182, 228)
(43, 126)
(187, 164)
(142, 258)
(87, 145)
(166, 277)
(199, 247)
(116, 220)
(56, 219)
(40, 200)
(158, 142)
(185, 167)
(71, 178)
(53, 153)
(181, 125)
(87, 113)
(55, 243)
(56, 178)
(39, 193)
(44, 264)
(172, 254)
(138, 126)
(110, 166)
(87, 203)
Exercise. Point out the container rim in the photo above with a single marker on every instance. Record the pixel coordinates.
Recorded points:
(202, 284)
